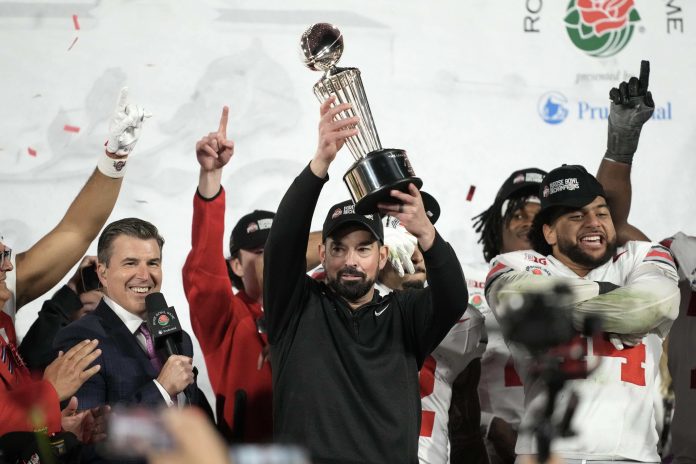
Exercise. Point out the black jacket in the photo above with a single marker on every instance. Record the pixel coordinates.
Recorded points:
(37, 346)
(345, 383)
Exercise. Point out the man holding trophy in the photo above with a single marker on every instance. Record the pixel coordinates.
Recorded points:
(345, 360)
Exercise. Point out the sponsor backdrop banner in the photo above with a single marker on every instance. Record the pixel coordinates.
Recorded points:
(471, 89)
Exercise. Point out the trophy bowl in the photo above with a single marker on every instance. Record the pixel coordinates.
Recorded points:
(376, 170)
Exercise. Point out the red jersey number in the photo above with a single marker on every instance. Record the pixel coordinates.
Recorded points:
(426, 379)
(632, 370)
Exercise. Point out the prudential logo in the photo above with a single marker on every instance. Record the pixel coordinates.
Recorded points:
(601, 28)
(553, 107)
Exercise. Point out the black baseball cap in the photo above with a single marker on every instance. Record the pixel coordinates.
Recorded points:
(522, 179)
(571, 186)
(344, 213)
(251, 231)
(432, 207)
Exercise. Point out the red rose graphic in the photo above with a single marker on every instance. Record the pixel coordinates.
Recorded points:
(605, 15)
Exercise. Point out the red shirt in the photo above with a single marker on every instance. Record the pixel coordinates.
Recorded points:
(225, 326)
(26, 405)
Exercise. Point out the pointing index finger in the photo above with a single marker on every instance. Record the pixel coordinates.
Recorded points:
(122, 99)
(223, 121)
(644, 77)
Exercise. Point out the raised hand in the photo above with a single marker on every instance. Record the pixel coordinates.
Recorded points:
(214, 150)
(631, 107)
(410, 212)
(635, 90)
(332, 134)
(70, 370)
(125, 125)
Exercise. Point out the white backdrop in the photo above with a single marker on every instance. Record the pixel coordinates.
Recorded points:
(457, 83)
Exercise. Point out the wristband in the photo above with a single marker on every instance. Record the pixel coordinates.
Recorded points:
(625, 159)
(111, 167)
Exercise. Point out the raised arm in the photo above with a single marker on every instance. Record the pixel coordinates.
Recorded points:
(434, 310)
(46, 262)
(631, 107)
(284, 255)
(206, 282)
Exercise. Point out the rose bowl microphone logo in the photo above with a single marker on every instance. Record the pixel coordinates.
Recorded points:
(163, 319)
(601, 28)
(552, 107)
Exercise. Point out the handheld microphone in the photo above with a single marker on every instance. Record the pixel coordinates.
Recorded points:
(163, 324)
(165, 329)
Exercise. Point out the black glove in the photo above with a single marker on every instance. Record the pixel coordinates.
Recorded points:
(631, 106)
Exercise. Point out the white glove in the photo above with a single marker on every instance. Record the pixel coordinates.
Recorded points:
(125, 125)
(401, 245)
(622, 340)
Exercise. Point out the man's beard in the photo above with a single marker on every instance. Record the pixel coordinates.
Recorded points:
(350, 290)
(578, 256)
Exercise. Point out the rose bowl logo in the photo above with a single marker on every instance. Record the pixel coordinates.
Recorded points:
(163, 319)
(601, 28)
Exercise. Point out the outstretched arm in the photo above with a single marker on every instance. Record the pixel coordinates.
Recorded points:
(46, 262)
(631, 107)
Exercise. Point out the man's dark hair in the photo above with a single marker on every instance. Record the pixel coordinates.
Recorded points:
(536, 233)
(234, 278)
(490, 224)
(132, 227)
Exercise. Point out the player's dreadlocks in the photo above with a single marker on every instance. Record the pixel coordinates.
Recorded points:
(491, 222)
(511, 196)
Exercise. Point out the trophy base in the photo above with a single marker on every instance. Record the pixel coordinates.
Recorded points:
(370, 179)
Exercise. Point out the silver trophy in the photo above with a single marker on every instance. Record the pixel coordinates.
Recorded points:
(376, 170)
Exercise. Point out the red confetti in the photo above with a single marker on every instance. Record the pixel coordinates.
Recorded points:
(72, 44)
(31, 151)
(76, 22)
(470, 195)
(68, 128)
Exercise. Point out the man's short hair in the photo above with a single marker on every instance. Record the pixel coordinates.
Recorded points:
(131, 227)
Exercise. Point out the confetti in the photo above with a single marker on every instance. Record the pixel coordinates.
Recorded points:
(31, 151)
(470, 195)
(76, 22)
(68, 128)
(72, 44)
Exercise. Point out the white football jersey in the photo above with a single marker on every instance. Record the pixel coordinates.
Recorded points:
(500, 388)
(682, 350)
(614, 419)
(465, 342)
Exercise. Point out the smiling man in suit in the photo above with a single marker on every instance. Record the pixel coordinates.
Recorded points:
(129, 268)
